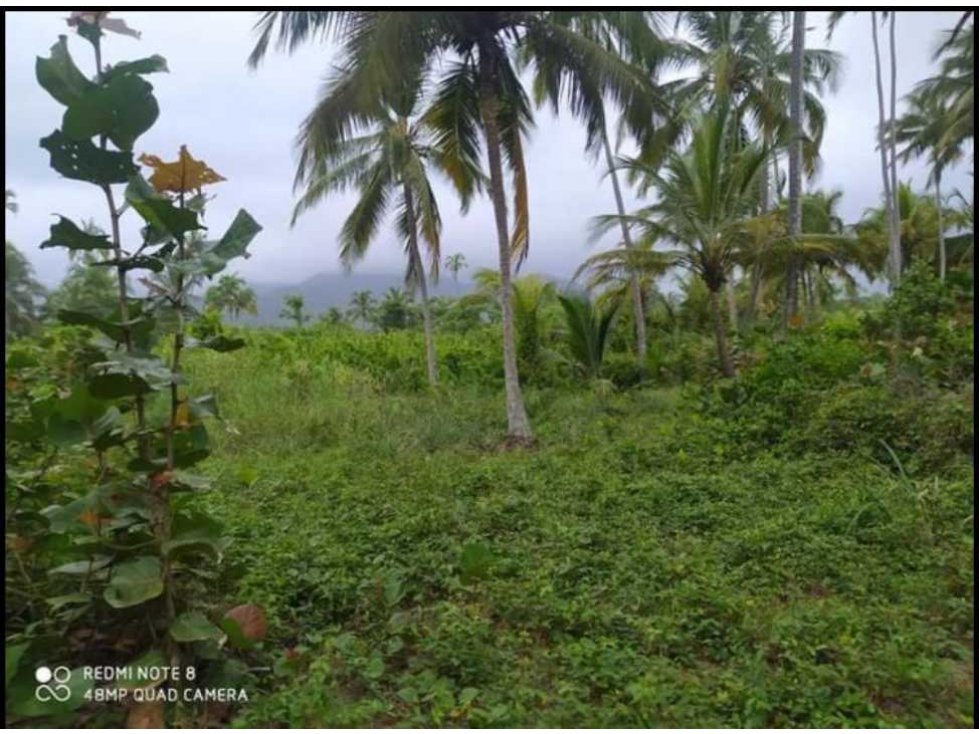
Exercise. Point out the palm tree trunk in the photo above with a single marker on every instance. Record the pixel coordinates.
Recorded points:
(795, 159)
(518, 425)
(895, 210)
(732, 303)
(638, 311)
(894, 246)
(942, 262)
(419, 267)
(754, 294)
(727, 367)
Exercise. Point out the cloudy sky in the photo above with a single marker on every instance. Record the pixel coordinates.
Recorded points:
(243, 124)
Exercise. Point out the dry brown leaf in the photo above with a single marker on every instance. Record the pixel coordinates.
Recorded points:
(182, 175)
(251, 621)
(145, 715)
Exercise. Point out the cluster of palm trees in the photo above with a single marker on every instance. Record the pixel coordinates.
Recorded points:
(416, 92)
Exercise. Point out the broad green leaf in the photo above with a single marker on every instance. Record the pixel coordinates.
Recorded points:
(239, 235)
(22, 699)
(56, 602)
(195, 530)
(136, 262)
(221, 343)
(134, 582)
(67, 234)
(12, 655)
(116, 385)
(193, 627)
(149, 65)
(121, 108)
(235, 636)
(59, 75)
(140, 327)
(205, 406)
(158, 211)
(83, 161)
(146, 671)
(81, 568)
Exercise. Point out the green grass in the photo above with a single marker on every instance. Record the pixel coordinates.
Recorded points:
(640, 568)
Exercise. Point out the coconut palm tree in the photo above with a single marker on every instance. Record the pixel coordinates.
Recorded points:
(362, 307)
(454, 263)
(612, 273)
(705, 194)
(387, 165)
(477, 90)
(922, 131)
(746, 56)
(231, 295)
(795, 159)
(955, 83)
(885, 143)
(637, 37)
(294, 309)
(918, 225)
(21, 293)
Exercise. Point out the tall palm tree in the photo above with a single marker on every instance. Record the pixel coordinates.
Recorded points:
(613, 272)
(231, 295)
(635, 36)
(21, 292)
(387, 164)
(922, 132)
(795, 158)
(955, 83)
(294, 309)
(454, 263)
(919, 216)
(362, 307)
(746, 56)
(887, 151)
(705, 193)
(479, 90)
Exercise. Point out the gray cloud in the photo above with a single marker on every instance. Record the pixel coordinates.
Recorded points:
(243, 124)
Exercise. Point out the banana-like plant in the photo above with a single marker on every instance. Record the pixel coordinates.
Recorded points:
(589, 328)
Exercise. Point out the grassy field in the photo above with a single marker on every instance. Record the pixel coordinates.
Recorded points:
(644, 566)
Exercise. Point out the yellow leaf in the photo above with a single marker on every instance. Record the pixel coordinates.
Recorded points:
(182, 175)
(181, 418)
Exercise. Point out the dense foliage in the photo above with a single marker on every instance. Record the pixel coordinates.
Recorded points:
(747, 502)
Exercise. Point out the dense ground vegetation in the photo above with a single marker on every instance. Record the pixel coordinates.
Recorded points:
(745, 501)
(791, 547)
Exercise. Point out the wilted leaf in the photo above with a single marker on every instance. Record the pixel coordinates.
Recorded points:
(250, 619)
(145, 715)
(100, 19)
(182, 175)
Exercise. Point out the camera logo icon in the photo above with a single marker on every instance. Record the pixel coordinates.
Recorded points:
(52, 684)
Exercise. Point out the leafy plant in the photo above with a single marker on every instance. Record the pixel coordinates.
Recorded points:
(588, 331)
(113, 542)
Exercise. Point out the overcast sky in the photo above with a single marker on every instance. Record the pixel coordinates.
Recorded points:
(243, 123)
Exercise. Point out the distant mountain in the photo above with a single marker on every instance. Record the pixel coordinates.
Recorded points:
(322, 291)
